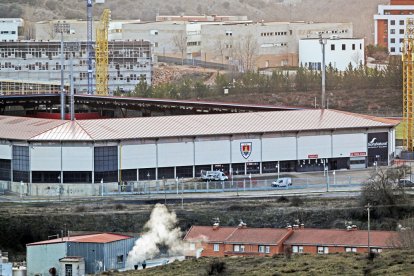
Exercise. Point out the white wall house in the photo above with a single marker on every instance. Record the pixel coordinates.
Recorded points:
(9, 28)
(339, 52)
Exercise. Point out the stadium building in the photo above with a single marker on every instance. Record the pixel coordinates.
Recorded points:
(144, 145)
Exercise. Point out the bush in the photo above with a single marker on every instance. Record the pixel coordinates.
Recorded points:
(119, 206)
(80, 209)
(283, 199)
(216, 267)
(296, 201)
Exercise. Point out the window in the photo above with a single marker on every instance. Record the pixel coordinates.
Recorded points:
(392, 31)
(392, 49)
(297, 249)
(238, 248)
(20, 163)
(192, 246)
(68, 269)
(323, 250)
(155, 44)
(267, 249)
(120, 259)
(401, 31)
(376, 250)
(392, 22)
(392, 40)
(229, 33)
(261, 248)
(343, 47)
(353, 46)
(5, 168)
(332, 47)
(106, 164)
(402, 22)
(350, 249)
(216, 247)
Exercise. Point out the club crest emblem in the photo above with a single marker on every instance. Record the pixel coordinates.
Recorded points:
(246, 149)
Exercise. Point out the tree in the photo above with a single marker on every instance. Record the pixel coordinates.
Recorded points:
(383, 192)
(180, 41)
(246, 52)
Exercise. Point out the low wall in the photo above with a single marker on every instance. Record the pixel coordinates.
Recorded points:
(62, 190)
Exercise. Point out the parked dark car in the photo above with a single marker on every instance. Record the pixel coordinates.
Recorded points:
(406, 183)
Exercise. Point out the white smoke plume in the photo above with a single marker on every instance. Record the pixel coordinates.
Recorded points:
(159, 230)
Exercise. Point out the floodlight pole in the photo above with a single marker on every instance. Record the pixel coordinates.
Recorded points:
(62, 86)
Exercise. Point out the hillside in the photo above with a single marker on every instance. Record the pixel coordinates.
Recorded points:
(356, 11)
(389, 263)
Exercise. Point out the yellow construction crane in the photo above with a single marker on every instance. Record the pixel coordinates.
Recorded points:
(101, 53)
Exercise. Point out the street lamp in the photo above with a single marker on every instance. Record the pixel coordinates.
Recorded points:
(102, 187)
(323, 42)
(149, 186)
(278, 169)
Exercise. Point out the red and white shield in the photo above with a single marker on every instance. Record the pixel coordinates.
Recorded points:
(246, 149)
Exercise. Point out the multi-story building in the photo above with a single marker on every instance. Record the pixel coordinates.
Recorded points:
(10, 28)
(390, 24)
(129, 62)
(339, 53)
(262, 45)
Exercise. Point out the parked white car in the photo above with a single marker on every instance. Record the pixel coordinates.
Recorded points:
(282, 182)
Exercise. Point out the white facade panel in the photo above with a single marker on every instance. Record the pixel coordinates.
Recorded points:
(138, 156)
(255, 154)
(175, 154)
(310, 147)
(345, 144)
(77, 158)
(283, 148)
(212, 152)
(5, 152)
(45, 158)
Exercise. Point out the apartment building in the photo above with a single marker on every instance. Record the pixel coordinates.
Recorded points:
(390, 24)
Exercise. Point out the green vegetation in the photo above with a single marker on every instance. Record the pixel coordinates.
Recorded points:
(388, 263)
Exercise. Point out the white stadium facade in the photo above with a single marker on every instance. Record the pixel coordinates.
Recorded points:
(34, 150)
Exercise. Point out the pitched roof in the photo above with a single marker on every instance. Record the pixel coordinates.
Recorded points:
(184, 125)
(207, 233)
(257, 235)
(92, 238)
(357, 238)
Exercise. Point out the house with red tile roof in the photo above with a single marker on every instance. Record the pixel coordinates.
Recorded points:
(325, 241)
(235, 241)
(244, 241)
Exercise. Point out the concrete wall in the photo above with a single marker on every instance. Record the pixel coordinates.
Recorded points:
(40, 258)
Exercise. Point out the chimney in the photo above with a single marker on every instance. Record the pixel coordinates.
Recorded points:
(216, 226)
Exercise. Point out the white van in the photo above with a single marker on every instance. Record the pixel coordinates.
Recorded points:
(282, 182)
(213, 176)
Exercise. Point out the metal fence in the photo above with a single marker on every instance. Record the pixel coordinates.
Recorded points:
(196, 62)
(312, 184)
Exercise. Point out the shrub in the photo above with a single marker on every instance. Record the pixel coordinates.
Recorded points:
(296, 201)
(283, 199)
(80, 209)
(119, 206)
(216, 267)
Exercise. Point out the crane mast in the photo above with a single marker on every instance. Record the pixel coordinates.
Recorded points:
(408, 86)
(101, 53)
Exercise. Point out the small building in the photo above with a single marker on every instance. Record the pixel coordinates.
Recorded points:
(10, 28)
(339, 53)
(72, 266)
(5, 266)
(97, 252)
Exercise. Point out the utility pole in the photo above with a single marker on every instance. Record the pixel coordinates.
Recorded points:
(369, 227)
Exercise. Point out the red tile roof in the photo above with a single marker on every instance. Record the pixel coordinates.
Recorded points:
(357, 238)
(92, 238)
(257, 236)
(207, 233)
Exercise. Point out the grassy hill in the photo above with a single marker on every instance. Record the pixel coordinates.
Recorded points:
(389, 263)
(356, 11)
